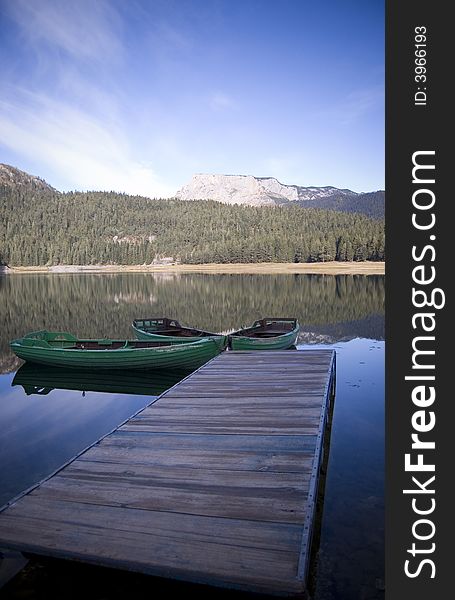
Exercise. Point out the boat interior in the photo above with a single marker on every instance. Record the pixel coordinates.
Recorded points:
(266, 328)
(168, 327)
(117, 344)
(96, 344)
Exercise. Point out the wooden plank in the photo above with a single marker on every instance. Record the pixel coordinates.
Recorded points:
(247, 412)
(287, 422)
(208, 560)
(175, 526)
(183, 477)
(238, 503)
(271, 371)
(210, 442)
(213, 482)
(288, 462)
(266, 386)
(237, 394)
(259, 402)
(238, 426)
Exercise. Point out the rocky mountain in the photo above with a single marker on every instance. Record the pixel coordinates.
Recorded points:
(255, 191)
(12, 177)
(268, 191)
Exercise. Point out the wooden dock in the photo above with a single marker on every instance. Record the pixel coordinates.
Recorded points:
(214, 482)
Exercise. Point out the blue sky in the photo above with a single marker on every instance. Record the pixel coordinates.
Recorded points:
(138, 95)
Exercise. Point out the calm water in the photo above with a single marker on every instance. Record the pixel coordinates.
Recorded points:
(47, 416)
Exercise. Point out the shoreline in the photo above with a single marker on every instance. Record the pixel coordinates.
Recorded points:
(327, 268)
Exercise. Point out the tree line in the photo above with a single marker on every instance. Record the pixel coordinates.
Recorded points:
(43, 227)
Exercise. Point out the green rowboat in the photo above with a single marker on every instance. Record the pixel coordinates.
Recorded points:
(60, 349)
(163, 329)
(266, 334)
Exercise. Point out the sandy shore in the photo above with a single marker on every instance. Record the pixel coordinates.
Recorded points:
(328, 268)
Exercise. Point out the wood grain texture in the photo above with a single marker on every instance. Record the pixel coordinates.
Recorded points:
(211, 483)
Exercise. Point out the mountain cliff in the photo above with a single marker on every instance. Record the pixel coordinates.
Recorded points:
(255, 191)
(268, 191)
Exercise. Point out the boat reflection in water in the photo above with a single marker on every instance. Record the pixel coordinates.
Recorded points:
(36, 379)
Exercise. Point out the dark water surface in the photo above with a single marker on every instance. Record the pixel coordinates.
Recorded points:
(47, 416)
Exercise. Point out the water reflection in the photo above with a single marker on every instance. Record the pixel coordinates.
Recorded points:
(350, 559)
(41, 380)
(49, 415)
(104, 305)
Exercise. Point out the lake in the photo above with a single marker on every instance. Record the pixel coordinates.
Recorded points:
(46, 418)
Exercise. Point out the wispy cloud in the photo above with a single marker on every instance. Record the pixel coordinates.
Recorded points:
(77, 124)
(85, 29)
(87, 152)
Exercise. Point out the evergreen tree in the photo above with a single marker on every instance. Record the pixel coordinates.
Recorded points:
(49, 228)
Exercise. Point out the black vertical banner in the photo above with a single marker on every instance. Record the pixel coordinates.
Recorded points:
(419, 328)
